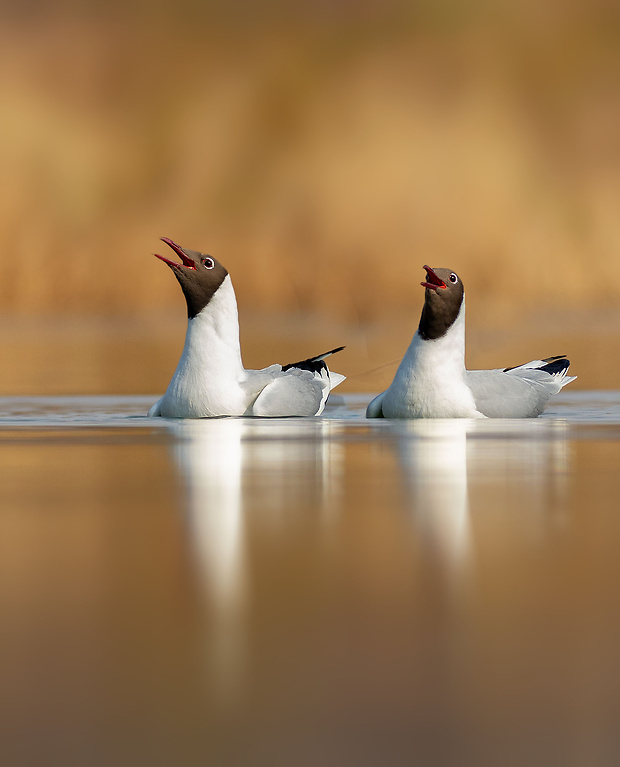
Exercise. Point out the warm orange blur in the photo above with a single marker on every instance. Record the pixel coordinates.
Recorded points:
(323, 152)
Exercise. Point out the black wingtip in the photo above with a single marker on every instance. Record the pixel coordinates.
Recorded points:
(333, 351)
(315, 364)
(556, 365)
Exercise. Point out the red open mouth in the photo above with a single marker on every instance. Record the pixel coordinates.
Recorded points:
(187, 261)
(434, 282)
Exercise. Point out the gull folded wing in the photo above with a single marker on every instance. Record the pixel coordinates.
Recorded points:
(296, 393)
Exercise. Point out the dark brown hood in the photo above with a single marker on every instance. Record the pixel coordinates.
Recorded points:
(442, 302)
(199, 276)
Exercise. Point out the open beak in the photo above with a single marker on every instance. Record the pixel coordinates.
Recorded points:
(433, 282)
(187, 261)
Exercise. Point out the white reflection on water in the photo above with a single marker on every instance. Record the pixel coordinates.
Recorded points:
(433, 462)
(242, 473)
(290, 464)
(209, 458)
(443, 461)
(230, 466)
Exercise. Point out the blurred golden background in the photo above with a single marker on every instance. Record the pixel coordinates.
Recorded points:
(323, 152)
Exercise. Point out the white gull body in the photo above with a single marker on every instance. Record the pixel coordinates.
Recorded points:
(432, 381)
(210, 379)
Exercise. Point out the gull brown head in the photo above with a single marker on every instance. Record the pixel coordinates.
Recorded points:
(198, 274)
(442, 302)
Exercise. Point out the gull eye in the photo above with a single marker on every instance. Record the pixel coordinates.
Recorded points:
(208, 263)
(453, 278)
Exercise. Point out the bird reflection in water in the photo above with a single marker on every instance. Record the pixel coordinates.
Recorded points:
(262, 492)
(209, 458)
(452, 469)
(433, 459)
(235, 469)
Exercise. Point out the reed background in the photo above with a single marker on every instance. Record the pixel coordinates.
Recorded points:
(323, 152)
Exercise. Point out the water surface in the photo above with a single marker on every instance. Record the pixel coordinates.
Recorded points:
(308, 591)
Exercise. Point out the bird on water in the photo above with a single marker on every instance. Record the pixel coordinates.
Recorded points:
(432, 381)
(210, 379)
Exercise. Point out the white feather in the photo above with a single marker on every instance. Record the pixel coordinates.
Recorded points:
(432, 382)
(210, 379)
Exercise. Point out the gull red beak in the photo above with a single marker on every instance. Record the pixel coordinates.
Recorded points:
(433, 281)
(187, 261)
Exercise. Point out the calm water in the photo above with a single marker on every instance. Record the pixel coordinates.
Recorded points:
(328, 591)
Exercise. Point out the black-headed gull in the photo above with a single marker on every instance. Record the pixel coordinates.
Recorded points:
(210, 379)
(432, 382)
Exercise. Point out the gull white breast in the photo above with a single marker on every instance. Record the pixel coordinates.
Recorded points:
(432, 381)
(210, 379)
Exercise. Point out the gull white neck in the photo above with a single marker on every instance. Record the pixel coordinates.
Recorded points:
(212, 349)
(431, 379)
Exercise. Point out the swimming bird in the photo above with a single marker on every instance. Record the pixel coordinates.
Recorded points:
(210, 379)
(432, 382)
